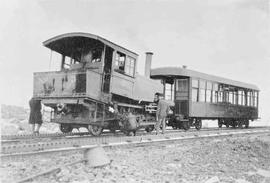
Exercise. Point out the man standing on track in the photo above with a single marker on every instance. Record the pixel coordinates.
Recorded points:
(162, 112)
(35, 115)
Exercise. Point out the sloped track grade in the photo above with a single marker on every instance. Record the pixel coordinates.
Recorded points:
(235, 156)
(38, 146)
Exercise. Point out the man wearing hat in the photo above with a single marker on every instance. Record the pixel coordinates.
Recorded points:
(162, 112)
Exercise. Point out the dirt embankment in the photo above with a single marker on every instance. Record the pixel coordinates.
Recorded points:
(231, 159)
(15, 121)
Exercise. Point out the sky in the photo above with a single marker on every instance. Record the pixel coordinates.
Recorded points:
(227, 38)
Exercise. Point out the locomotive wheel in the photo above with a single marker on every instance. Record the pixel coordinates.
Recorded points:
(246, 123)
(186, 125)
(227, 124)
(95, 130)
(198, 124)
(149, 128)
(65, 128)
(132, 133)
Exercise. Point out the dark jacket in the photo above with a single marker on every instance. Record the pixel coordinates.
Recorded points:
(35, 114)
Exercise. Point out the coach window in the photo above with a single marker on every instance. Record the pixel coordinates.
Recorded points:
(240, 97)
(208, 91)
(215, 93)
(202, 91)
(96, 55)
(252, 98)
(195, 90)
(220, 93)
(169, 91)
(230, 97)
(255, 99)
(234, 97)
(120, 62)
(226, 94)
(244, 97)
(182, 85)
(249, 98)
(130, 66)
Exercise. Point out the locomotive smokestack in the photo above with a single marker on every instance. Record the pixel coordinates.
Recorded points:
(148, 62)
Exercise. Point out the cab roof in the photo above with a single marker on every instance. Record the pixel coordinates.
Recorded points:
(63, 41)
(164, 72)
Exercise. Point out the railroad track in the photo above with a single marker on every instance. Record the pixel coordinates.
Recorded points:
(58, 145)
(25, 137)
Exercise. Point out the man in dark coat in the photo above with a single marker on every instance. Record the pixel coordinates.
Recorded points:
(35, 117)
(162, 112)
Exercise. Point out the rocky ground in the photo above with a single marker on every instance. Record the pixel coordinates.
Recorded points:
(225, 159)
(14, 120)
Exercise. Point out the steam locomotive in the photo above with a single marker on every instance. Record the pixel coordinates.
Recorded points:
(98, 87)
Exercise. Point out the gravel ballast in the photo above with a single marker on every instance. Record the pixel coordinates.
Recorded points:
(223, 159)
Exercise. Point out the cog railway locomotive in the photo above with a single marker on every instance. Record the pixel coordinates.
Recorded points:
(97, 78)
(98, 87)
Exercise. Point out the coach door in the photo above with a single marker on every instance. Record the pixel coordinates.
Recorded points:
(107, 70)
(181, 97)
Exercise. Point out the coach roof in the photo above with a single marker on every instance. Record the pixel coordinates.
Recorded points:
(52, 43)
(177, 71)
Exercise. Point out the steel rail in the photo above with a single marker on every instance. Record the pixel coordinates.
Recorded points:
(52, 137)
(33, 149)
(21, 137)
(45, 143)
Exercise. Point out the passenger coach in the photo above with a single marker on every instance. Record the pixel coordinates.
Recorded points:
(198, 96)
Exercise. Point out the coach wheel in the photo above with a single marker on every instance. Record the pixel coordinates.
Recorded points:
(149, 128)
(240, 124)
(246, 123)
(95, 130)
(198, 124)
(186, 125)
(220, 123)
(65, 128)
(234, 124)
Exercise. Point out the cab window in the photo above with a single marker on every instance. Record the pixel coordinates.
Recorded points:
(120, 62)
(124, 64)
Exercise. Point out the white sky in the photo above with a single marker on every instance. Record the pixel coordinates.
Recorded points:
(228, 38)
